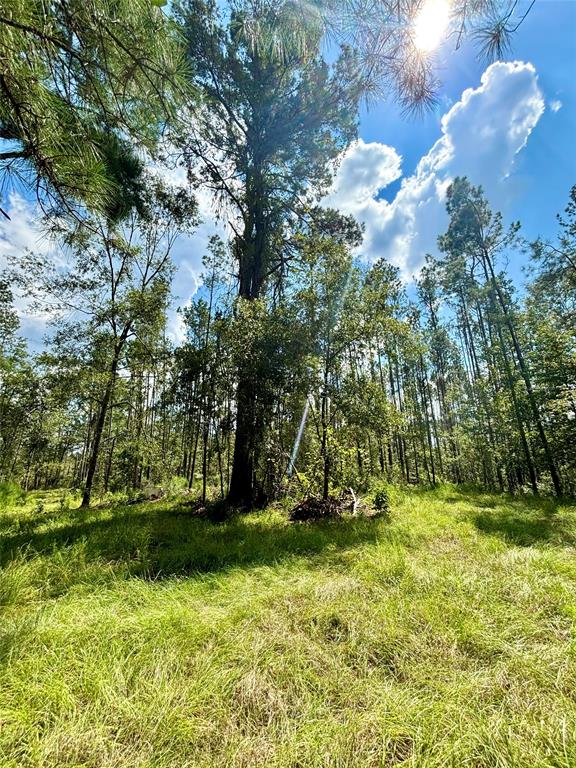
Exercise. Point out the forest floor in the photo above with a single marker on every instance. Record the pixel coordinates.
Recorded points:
(137, 636)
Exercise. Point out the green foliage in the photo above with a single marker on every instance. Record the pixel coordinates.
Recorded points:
(81, 83)
(352, 382)
(39, 509)
(108, 305)
(10, 494)
(381, 500)
(87, 90)
(8, 317)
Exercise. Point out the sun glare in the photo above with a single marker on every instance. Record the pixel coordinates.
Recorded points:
(430, 24)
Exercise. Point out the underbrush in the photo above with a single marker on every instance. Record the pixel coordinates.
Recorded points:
(441, 634)
(11, 494)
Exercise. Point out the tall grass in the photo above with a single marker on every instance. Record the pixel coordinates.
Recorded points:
(10, 494)
(137, 636)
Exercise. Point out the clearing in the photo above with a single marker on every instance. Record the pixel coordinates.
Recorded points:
(139, 637)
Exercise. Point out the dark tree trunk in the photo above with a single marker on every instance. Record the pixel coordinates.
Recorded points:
(109, 466)
(518, 414)
(194, 454)
(98, 430)
(220, 469)
(204, 463)
(251, 254)
(554, 474)
(241, 491)
(101, 418)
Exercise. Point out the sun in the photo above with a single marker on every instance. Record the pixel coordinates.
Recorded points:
(430, 24)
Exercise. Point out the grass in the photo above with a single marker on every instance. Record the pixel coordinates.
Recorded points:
(138, 637)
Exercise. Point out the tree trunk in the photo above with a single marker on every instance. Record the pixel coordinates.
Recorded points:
(204, 464)
(527, 381)
(98, 430)
(250, 251)
(101, 418)
(241, 492)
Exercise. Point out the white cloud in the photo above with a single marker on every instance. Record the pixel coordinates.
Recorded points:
(23, 232)
(364, 170)
(555, 105)
(482, 134)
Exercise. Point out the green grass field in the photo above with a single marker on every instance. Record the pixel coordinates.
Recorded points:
(136, 636)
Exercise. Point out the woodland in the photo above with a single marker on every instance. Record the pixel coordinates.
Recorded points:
(333, 523)
(465, 382)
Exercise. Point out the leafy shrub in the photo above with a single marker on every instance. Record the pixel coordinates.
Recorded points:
(176, 485)
(64, 503)
(381, 500)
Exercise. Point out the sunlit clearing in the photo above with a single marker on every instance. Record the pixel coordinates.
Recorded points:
(430, 24)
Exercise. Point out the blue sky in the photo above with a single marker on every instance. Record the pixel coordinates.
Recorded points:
(510, 126)
(533, 184)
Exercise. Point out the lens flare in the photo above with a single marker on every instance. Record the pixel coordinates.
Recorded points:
(292, 465)
(430, 24)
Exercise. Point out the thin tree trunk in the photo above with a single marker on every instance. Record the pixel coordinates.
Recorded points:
(555, 475)
(101, 418)
(98, 430)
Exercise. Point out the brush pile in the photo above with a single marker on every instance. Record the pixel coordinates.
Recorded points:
(314, 508)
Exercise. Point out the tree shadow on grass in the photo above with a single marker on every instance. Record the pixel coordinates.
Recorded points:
(152, 543)
(158, 543)
(526, 527)
(523, 520)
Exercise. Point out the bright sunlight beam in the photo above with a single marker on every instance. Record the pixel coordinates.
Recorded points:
(430, 24)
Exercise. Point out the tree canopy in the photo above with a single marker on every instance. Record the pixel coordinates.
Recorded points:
(85, 86)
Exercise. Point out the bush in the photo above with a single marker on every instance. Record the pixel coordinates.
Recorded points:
(176, 485)
(381, 500)
(64, 503)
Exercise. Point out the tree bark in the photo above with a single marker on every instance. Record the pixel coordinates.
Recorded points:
(98, 430)
(251, 249)
(554, 474)
(241, 492)
(101, 418)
